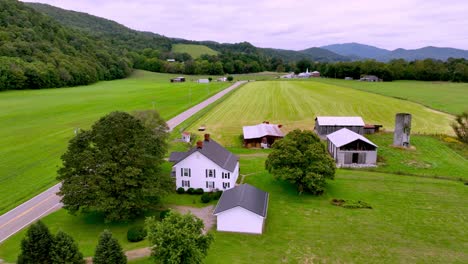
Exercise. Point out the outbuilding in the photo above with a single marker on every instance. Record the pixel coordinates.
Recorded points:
(315, 74)
(325, 125)
(370, 78)
(350, 149)
(242, 209)
(203, 81)
(178, 79)
(261, 135)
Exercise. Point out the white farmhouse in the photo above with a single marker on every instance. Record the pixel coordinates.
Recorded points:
(208, 166)
(242, 209)
(349, 148)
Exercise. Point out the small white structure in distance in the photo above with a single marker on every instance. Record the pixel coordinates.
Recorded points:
(170, 60)
(203, 81)
(222, 79)
(306, 74)
(242, 209)
(350, 149)
(186, 136)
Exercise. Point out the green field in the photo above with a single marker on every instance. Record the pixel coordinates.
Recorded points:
(295, 104)
(429, 156)
(194, 50)
(37, 124)
(444, 96)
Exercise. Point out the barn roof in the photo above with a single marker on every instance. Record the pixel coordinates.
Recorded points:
(340, 120)
(245, 196)
(345, 136)
(262, 130)
(213, 151)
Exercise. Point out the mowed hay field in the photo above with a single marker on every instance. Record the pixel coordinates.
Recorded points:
(37, 124)
(295, 104)
(444, 96)
(194, 50)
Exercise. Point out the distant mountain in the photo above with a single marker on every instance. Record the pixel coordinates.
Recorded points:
(362, 51)
(424, 53)
(321, 54)
(357, 50)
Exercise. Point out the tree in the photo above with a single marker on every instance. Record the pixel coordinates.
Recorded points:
(460, 126)
(301, 159)
(178, 239)
(114, 168)
(108, 250)
(36, 245)
(65, 250)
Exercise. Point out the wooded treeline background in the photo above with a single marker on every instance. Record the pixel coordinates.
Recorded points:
(67, 48)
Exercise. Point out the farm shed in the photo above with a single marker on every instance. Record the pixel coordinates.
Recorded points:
(203, 81)
(261, 135)
(315, 74)
(222, 79)
(325, 125)
(242, 209)
(178, 79)
(348, 148)
(370, 78)
(186, 136)
(371, 129)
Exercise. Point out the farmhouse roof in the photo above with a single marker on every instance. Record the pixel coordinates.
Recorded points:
(213, 151)
(262, 130)
(339, 121)
(345, 136)
(245, 196)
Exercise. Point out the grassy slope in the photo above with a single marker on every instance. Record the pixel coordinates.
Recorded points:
(448, 97)
(194, 50)
(296, 103)
(430, 157)
(36, 125)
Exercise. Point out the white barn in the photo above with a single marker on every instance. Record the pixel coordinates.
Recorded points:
(203, 81)
(208, 166)
(242, 209)
(349, 148)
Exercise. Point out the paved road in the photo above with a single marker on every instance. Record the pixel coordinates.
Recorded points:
(48, 202)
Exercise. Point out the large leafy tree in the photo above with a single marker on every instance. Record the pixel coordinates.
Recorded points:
(36, 245)
(178, 239)
(65, 250)
(301, 159)
(109, 250)
(114, 168)
(460, 126)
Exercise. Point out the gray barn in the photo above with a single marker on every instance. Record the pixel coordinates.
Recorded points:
(349, 148)
(325, 125)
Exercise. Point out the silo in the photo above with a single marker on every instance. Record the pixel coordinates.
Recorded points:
(401, 137)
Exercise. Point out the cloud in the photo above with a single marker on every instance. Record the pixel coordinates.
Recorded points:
(292, 24)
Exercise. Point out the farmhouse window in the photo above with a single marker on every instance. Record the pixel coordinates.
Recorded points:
(226, 175)
(226, 185)
(186, 172)
(210, 173)
(210, 184)
(186, 184)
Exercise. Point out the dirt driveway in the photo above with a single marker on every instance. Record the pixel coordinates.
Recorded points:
(205, 214)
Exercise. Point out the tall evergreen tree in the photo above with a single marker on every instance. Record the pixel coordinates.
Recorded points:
(65, 250)
(108, 250)
(36, 245)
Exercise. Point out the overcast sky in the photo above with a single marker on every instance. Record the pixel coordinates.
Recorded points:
(292, 24)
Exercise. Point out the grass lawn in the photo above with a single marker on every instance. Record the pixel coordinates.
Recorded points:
(295, 104)
(413, 220)
(444, 96)
(431, 156)
(37, 124)
(194, 50)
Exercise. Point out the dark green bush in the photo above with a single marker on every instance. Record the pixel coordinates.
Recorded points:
(230, 78)
(163, 214)
(180, 190)
(199, 191)
(191, 191)
(217, 195)
(206, 198)
(136, 233)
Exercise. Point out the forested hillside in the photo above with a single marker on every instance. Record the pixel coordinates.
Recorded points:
(37, 52)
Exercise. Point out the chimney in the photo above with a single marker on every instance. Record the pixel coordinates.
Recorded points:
(267, 122)
(199, 144)
(280, 126)
(207, 137)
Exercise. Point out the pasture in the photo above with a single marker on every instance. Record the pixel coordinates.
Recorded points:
(37, 124)
(194, 50)
(295, 104)
(444, 96)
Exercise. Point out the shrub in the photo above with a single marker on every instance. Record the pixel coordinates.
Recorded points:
(206, 198)
(217, 195)
(210, 79)
(163, 214)
(190, 191)
(180, 190)
(230, 78)
(136, 233)
(199, 191)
